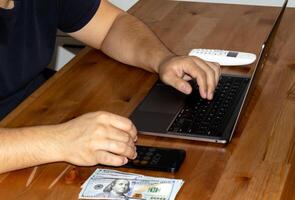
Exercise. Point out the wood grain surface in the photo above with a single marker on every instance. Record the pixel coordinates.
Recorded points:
(259, 163)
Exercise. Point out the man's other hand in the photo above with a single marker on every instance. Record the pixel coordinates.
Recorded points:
(177, 70)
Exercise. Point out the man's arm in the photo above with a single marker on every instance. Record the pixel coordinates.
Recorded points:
(24, 147)
(126, 39)
(94, 138)
(120, 35)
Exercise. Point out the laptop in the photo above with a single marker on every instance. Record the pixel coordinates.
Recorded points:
(167, 112)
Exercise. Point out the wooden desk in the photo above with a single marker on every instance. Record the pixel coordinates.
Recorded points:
(259, 163)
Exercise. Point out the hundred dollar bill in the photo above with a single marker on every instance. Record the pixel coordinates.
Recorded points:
(98, 187)
(109, 173)
(115, 173)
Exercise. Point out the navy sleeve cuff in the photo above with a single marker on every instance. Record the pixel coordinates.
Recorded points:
(80, 22)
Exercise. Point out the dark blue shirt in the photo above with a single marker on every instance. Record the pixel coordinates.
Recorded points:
(27, 39)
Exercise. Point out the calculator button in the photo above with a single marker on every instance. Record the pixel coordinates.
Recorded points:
(158, 156)
(149, 153)
(136, 161)
(147, 158)
(144, 162)
(154, 162)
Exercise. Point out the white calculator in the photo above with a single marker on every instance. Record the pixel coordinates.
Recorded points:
(224, 57)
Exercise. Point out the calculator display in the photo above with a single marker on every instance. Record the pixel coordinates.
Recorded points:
(232, 54)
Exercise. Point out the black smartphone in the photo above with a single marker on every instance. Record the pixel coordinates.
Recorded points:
(157, 158)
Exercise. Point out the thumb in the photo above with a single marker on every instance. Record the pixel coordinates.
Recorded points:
(177, 82)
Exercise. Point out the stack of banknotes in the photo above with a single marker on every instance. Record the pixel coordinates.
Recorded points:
(112, 184)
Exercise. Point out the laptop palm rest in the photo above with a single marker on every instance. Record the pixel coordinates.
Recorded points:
(158, 109)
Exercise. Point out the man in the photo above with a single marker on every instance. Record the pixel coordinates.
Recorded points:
(27, 36)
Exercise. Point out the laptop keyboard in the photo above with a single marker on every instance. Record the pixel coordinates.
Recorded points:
(210, 118)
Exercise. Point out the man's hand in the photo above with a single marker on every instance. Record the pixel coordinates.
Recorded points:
(94, 138)
(97, 138)
(177, 70)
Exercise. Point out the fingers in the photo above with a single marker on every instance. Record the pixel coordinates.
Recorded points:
(119, 122)
(107, 158)
(199, 73)
(188, 67)
(187, 77)
(119, 135)
(178, 83)
(116, 147)
(209, 76)
(217, 71)
(181, 69)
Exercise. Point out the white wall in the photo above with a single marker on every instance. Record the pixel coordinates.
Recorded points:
(124, 4)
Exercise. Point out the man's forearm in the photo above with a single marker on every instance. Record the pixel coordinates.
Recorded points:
(130, 41)
(26, 147)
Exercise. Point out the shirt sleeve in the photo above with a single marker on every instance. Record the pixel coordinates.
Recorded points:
(75, 14)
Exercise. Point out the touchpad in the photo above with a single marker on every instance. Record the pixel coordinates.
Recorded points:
(158, 109)
(163, 99)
